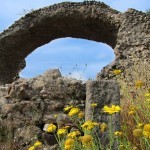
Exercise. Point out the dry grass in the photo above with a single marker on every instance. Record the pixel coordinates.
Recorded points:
(135, 106)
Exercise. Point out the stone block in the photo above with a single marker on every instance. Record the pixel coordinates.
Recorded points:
(103, 93)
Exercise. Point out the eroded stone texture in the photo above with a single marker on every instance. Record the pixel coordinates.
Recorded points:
(132, 46)
(27, 104)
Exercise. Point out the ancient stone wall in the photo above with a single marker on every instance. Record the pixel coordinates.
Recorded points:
(133, 44)
(127, 33)
(88, 20)
(26, 106)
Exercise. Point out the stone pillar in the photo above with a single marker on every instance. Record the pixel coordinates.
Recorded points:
(103, 93)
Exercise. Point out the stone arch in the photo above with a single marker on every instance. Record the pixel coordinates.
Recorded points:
(88, 20)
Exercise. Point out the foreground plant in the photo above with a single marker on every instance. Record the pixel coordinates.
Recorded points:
(36, 145)
(135, 103)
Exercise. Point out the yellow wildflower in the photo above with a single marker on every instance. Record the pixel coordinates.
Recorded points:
(69, 147)
(73, 111)
(81, 114)
(89, 125)
(139, 125)
(146, 134)
(112, 109)
(61, 131)
(51, 128)
(117, 133)
(86, 140)
(148, 99)
(146, 130)
(147, 95)
(146, 127)
(103, 127)
(73, 134)
(131, 112)
(69, 144)
(37, 144)
(31, 148)
(68, 108)
(139, 84)
(137, 132)
(94, 105)
(117, 72)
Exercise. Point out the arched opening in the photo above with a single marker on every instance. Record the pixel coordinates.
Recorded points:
(92, 21)
(77, 58)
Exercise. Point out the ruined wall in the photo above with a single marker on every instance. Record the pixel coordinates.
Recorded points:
(127, 33)
(27, 105)
(133, 43)
(93, 21)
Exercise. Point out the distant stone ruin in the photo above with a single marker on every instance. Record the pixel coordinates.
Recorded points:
(127, 33)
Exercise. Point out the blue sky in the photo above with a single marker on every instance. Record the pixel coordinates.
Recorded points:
(82, 58)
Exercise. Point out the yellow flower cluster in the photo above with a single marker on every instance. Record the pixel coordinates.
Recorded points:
(86, 140)
(89, 125)
(145, 132)
(137, 132)
(68, 108)
(73, 134)
(73, 111)
(94, 105)
(69, 144)
(62, 131)
(111, 110)
(147, 96)
(51, 128)
(81, 114)
(103, 127)
(139, 83)
(36, 144)
(132, 110)
(118, 133)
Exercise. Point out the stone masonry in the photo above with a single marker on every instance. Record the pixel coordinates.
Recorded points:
(27, 105)
(127, 33)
